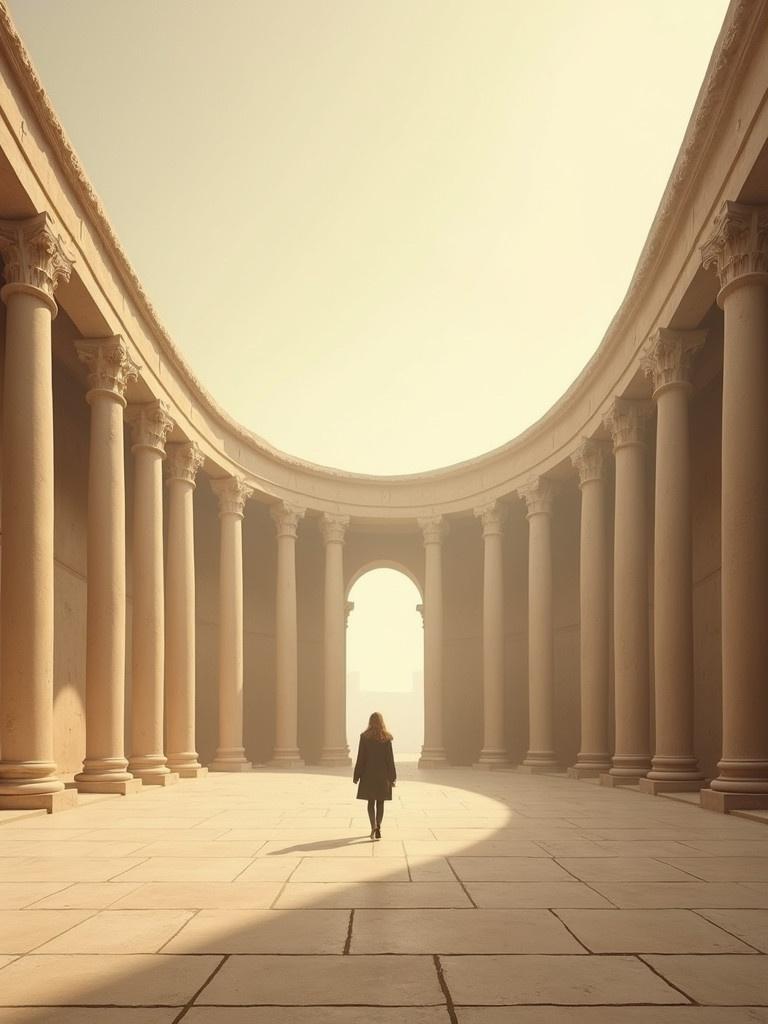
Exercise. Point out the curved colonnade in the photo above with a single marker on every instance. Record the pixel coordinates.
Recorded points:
(609, 499)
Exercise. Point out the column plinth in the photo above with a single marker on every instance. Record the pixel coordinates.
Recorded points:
(494, 753)
(35, 261)
(538, 496)
(335, 752)
(105, 768)
(433, 530)
(286, 751)
(232, 493)
(631, 760)
(182, 464)
(151, 425)
(593, 758)
(739, 252)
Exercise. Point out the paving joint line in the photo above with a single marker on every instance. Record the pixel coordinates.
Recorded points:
(442, 982)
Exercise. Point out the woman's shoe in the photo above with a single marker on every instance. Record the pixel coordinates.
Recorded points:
(378, 833)
(373, 834)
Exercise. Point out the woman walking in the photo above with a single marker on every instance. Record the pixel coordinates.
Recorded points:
(375, 770)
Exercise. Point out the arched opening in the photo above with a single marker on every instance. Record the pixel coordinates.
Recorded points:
(385, 657)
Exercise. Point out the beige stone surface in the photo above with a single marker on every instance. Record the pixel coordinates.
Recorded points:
(504, 980)
(720, 981)
(201, 895)
(317, 1015)
(87, 895)
(24, 930)
(263, 931)
(725, 869)
(120, 931)
(749, 925)
(648, 931)
(630, 895)
(384, 869)
(622, 869)
(14, 895)
(509, 869)
(303, 980)
(89, 1015)
(373, 894)
(612, 1015)
(534, 894)
(186, 869)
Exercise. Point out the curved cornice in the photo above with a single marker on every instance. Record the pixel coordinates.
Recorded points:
(739, 27)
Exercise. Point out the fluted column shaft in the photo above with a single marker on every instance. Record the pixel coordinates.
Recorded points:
(232, 493)
(739, 250)
(286, 753)
(674, 763)
(34, 262)
(494, 750)
(433, 751)
(593, 757)
(631, 759)
(541, 740)
(105, 767)
(151, 424)
(335, 750)
(182, 465)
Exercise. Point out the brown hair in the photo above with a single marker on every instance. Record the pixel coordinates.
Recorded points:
(377, 730)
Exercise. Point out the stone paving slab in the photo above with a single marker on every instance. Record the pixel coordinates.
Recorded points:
(716, 980)
(509, 869)
(724, 869)
(622, 869)
(653, 895)
(86, 1015)
(578, 980)
(120, 931)
(201, 896)
(25, 930)
(316, 1015)
(304, 980)
(510, 895)
(396, 895)
(648, 931)
(749, 925)
(611, 1015)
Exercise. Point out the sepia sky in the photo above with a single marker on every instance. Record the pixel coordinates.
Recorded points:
(386, 235)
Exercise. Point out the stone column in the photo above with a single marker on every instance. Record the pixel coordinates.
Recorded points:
(232, 493)
(110, 369)
(538, 497)
(286, 753)
(667, 364)
(433, 530)
(335, 750)
(35, 262)
(494, 750)
(151, 425)
(593, 757)
(631, 760)
(182, 464)
(739, 252)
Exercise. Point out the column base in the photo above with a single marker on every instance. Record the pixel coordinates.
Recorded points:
(539, 761)
(582, 771)
(655, 786)
(491, 758)
(155, 779)
(724, 803)
(61, 800)
(538, 769)
(612, 781)
(432, 757)
(335, 757)
(286, 758)
(191, 773)
(122, 787)
(230, 766)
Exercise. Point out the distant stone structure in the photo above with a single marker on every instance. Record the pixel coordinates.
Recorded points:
(595, 591)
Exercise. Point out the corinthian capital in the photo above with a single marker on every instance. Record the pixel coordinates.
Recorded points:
(668, 357)
(539, 496)
(626, 421)
(333, 527)
(109, 364)
(590, 459)
(35, 258)
(286, 518)
(150, 425)
(232, 492)
(433, 529)
(183, 461)
(739, 243)
(491, 515)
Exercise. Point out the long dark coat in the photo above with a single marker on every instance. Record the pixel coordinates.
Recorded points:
(374, 769)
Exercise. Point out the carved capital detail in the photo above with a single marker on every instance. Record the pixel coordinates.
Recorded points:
(433, 529)
(739, 243)
(232, 492)
(286, 518)
(539, 496)
(110, 366)
(35, 257)
(626, 421)
(668, 357)
(150, 425)
(333, 527)
(590, 459)
(183, 461)
(491, 516)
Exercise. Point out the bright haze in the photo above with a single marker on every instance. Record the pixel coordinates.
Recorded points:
(386, 235)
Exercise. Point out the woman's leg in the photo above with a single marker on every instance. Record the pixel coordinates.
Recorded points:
(372, 813)
(379, 813)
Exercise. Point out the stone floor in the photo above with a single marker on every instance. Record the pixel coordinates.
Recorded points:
(493, 898)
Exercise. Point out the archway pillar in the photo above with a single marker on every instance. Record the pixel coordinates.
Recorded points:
(335, 750)
(494, 753)
(739, 252)
(433, 530)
